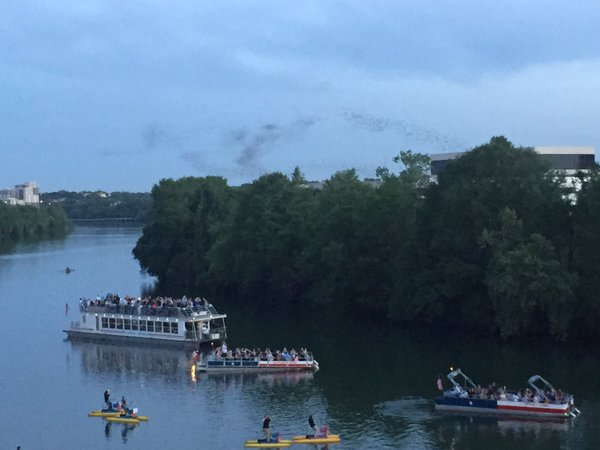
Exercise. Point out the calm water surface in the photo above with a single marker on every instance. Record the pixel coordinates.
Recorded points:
(375, 386)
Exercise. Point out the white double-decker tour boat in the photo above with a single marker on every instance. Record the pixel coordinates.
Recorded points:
(158, 320)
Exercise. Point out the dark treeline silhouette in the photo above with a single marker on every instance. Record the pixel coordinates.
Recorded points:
(499, 245)
(100, 205)
(28, 223)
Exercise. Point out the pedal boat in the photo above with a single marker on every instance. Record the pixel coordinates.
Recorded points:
(261, 443)
(104, 413)
(329, 439)
(125, 419)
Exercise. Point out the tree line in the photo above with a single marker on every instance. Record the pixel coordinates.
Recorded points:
(101, 205)
(27, 222)
(500, 244)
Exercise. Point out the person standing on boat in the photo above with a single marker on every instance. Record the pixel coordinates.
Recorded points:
(313, 426)
(267, 427)
(107, 399)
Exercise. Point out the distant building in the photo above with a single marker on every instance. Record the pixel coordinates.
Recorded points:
(22, 194)
(568, 160)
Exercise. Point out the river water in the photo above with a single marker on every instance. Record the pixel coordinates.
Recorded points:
(375, 386)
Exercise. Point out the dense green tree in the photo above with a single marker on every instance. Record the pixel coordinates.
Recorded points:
(530, 290)
(28, 222)
(399, 200)
(101, 205)
(174, 244)
(497, 244)
(265, 237)
(470, 193)
(339, 261)
(586, 254)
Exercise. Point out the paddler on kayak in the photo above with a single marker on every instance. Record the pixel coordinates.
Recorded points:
(107, 399)
(267, 428)
(313, 426)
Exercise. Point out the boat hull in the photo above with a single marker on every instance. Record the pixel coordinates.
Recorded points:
(99, 413)
(331, 439)
(123, 419)
(100, 337)
(256, 444)
(252, 365)
(329, 436)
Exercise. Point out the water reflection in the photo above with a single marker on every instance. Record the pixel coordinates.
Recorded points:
(125, 430)
(420, 423)
(127, 359)
(471, 431)
(268, 380)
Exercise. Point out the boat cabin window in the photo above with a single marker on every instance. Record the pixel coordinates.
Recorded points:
(151, 326)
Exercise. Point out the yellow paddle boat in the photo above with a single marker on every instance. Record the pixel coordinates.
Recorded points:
(123, 419)
(104, 413)
(329, 439)
(268, 444)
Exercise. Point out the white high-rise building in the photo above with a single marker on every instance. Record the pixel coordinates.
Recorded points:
(21, 194)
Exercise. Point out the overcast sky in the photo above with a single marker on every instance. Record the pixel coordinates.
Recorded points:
(116, 95)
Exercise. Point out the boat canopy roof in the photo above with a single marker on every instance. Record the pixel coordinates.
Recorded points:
(542, 385)
(457, 373)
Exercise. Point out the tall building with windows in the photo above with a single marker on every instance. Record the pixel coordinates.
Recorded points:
(21, 194)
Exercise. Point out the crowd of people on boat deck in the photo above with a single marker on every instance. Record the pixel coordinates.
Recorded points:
(223, 352)
(494, 392)
(146, 303)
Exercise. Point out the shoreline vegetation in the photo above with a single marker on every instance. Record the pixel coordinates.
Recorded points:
(102, 206)
(25, 223)
(54, 216)
(498, 246)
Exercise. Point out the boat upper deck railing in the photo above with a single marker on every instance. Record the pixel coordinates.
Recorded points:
(149, 310)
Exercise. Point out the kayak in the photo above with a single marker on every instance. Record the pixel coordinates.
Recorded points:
(330, 439)
(271, 444)
(123, 419)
